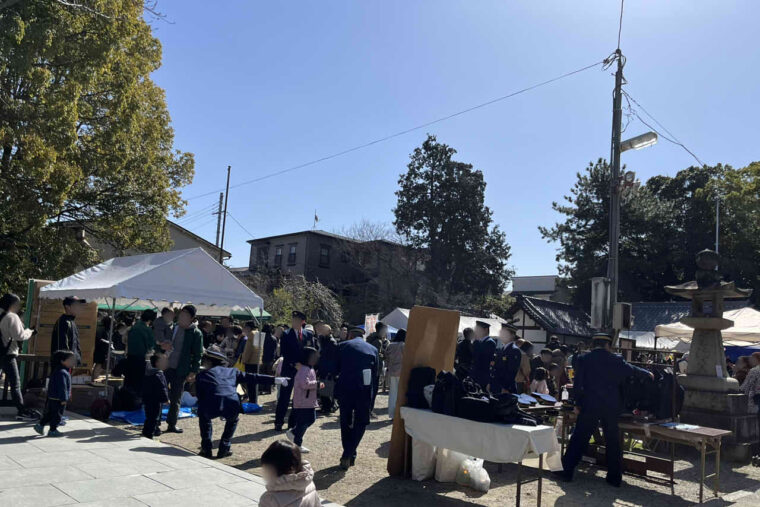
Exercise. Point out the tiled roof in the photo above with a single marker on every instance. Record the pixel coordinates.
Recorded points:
(555, 317)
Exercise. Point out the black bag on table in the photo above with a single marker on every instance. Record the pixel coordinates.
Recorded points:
(504, 406)
(475, 408)
(663, 408)
(447, 393)
(472, 388)
(415, 392)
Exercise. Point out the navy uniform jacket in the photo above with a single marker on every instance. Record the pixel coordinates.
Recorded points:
(291, 347)
(506, 366)
(598, 377)
(482, 357)
(217, 390)
(355, 356)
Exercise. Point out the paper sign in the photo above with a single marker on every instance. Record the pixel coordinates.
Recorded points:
(370, 321)
(719, 370)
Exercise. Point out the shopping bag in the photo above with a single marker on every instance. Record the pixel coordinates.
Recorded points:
(423, 460)
(447, 463)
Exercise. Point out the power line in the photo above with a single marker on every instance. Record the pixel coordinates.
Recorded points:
(620, 26)
(672, 139)
(240, 225)
(406, 131)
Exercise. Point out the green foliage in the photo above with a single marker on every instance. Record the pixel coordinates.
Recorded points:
(441, 211)
(296, 293)
(663, 226)
(85, 136)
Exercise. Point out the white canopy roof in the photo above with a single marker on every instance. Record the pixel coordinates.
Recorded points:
(182, 276)
(400, 316)
(746, 328)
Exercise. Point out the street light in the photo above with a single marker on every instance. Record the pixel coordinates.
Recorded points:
(639, 142)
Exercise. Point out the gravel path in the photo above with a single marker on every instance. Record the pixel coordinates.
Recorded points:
(368, 484)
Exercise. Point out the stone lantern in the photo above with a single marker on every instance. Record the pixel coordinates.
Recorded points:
(713, 398)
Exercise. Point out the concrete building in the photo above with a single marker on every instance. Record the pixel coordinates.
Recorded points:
(369, 276)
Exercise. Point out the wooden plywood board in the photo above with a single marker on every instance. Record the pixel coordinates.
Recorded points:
(431, 340)
(44, 314)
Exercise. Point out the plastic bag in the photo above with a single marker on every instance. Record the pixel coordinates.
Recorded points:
(428, 392)
(447, 465)
(188, 400)
(481, 481)
(466, 469)
(423, 460)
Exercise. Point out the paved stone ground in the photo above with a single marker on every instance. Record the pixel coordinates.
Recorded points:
(98, 464)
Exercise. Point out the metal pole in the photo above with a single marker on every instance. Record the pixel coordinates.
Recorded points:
(110, 341)
(224, 220)
(717, 222)
(614, 226)
(219, 218)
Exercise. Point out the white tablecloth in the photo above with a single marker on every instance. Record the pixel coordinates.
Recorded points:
(497, 443)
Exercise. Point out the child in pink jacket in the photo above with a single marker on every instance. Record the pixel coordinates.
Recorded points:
(305, 399)
(289, 479)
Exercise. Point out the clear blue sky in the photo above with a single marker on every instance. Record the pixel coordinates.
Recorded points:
(263, 86)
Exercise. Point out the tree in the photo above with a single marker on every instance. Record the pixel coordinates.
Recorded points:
(85, 136)
(441, 211)
(663, 226)
(312, 298)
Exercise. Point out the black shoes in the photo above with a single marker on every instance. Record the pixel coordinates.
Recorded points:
(157, 432)
(174, 429)
(345, 463)
(353, 460)
(223, 452)
(278, 427)
(615, 483)
(205, 453)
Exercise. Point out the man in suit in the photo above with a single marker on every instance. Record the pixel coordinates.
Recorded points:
(597, 383)
(483, 350)
(356, 369)
(507, 361)
(291, 345)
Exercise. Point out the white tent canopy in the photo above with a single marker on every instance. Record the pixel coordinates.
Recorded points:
(746, 328)
(399, 317)
(179, 277)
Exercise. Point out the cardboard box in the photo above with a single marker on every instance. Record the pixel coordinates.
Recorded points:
(83, 395)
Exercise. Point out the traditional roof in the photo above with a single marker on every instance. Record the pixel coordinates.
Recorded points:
(554, 317)
(648, 315)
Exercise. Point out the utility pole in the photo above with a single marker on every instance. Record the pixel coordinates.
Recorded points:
(617, 123)
(224, 220)
(219, 218)
(717, 222)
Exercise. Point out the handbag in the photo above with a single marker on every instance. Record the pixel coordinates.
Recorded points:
(419, 378)
(475, 409)
(329, 389)
(446, 393)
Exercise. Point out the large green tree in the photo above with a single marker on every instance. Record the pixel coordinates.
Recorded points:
(441, 211)
(85, 136)
(663, 225)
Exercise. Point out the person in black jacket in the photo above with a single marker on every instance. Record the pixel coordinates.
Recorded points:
(59, 392)
(155, 393)
(65, 335)
(463, 357)
(269, 354)
(328, 360)
(596, 387)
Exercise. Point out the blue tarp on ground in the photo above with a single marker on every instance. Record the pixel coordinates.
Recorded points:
(137, 417)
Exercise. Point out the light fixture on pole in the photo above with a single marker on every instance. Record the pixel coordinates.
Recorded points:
(639, 142)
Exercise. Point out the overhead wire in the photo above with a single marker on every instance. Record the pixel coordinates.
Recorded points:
(670, 137)
(240, 225)
(405, 131)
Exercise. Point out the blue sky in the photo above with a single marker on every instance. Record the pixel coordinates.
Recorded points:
(263, 86)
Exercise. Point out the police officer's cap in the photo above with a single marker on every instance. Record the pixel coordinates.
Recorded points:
(356, 331)
(299, 314)
(508, 325)
(482, 324)
(602, 336)
(215, 354)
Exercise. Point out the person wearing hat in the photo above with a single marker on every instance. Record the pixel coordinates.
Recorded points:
(483, 351)
(596, 392)
(507, 361)
(356, 369)
(65, 335)
(216, 388)
(291, 345)
(140, 343)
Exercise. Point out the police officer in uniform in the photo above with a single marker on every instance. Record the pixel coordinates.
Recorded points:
(291, 345)
(356, 369)
(507, 361)
(463, 356)
(597, 382)
(216, 387)
(483, 350)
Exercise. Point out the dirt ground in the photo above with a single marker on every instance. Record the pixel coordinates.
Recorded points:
(368, 484)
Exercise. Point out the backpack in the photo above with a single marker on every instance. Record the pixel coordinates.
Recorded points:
(663, 408)
(475, 408)
(415, 393)
(447, 393)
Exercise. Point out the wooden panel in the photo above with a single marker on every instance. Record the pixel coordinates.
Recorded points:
(44, 314)
(431, 340)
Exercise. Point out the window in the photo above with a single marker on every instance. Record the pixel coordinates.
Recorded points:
(262, 256)
(278, 255)
(324, 256)
(292, 254)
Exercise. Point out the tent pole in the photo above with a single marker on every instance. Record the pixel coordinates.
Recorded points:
(110, 340)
